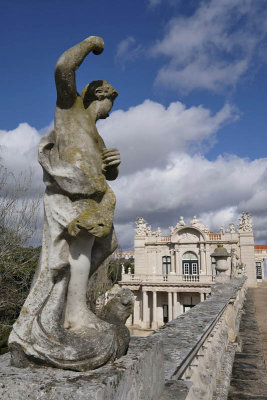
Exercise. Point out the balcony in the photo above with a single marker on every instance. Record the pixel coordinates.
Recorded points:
(170, 278)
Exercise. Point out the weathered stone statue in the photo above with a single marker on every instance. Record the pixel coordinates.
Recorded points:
(55, 326)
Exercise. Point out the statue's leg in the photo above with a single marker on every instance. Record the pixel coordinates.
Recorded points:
(77, 314)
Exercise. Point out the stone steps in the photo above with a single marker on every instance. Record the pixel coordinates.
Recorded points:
(249, 376)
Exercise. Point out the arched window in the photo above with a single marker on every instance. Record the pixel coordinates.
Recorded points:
(190, 263)
(189, 255)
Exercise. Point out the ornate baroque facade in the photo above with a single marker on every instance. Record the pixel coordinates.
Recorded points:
(175, 272)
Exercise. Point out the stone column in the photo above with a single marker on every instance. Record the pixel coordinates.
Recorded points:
(202, 260)
(178, 304)
(136, 316)
(169, 306)
(155, 319)
(202, 297)
(178, 262)
(208, 260)
(174, 305)
(145, 321)
(172, 270)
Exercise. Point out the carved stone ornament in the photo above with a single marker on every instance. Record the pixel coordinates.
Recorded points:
(188, 235)
(56, 327)
(198, 224)
(245, 223)
(171, 228)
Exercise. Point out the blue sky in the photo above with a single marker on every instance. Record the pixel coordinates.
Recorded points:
(191, 111)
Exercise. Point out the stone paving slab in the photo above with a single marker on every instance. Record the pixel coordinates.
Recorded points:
(249, 376)
(260, 303)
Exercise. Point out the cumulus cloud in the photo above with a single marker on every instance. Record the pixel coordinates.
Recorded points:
(18, 153)
(149, 133)
(164, 172)
(216, 191)
(214, 47)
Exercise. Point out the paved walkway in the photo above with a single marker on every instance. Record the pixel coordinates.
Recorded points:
(260, 304)
(249, 375)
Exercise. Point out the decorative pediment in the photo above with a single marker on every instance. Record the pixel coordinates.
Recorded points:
(188, 235)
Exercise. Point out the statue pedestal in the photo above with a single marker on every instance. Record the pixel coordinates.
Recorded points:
(222, 278)
(126, 378)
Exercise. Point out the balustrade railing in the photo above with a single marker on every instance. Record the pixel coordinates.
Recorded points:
(170, 278)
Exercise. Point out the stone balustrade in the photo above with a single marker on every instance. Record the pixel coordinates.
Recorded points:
(171, 278)
(184, 359)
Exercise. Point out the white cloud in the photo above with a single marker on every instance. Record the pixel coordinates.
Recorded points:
(162, 175)
(148, 133)
(216, 191)
(214, 47)
(18, 153)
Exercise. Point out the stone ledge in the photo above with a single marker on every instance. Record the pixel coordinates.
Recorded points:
(138, 375)
(182, 335)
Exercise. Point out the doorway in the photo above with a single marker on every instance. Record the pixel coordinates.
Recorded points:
(165, 313)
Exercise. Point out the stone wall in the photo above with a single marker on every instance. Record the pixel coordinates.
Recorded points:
(197, 344)
(184, 359)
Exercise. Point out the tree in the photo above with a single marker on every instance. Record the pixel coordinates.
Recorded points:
(18, 221)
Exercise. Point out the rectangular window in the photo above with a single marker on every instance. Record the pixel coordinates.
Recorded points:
(194, 269)
(186, 269)
(258, 270)
(166, 264)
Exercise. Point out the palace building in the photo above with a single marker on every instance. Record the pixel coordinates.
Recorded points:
(173, 273)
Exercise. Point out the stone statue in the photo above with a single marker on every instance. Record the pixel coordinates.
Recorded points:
(117, 311)
(141, 227)
(195, 223)
(232, 227)
(55, 326)
(158, 232)
(234, 263)
(245, 223)
(181, 221)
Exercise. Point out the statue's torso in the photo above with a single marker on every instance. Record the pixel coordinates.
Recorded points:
(77, 139)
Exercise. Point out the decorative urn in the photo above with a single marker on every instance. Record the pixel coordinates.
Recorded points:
(221, 255)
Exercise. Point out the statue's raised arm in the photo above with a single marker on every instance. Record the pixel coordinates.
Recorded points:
(66, 66)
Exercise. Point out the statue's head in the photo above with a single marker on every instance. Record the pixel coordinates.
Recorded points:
(102, 94)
